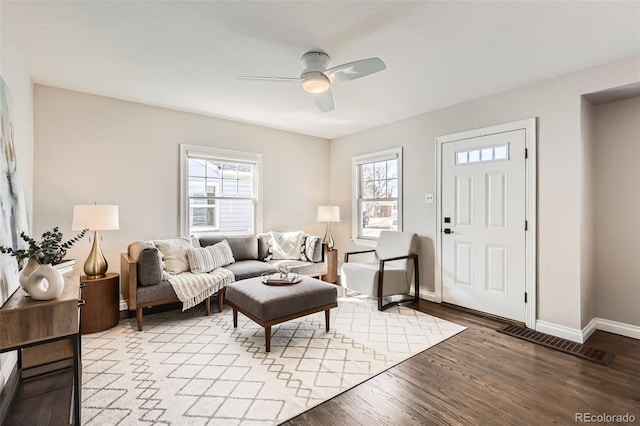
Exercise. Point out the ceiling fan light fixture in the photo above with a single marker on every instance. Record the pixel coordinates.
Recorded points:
(315, 82)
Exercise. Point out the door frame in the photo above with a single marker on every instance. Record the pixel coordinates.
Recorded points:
(529, 126)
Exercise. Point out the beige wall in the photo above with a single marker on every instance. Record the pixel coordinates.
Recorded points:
(92, 148)
(15, 75)
(557, 105)
(617, 261)
(587, 215)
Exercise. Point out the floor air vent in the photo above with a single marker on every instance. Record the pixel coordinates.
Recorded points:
(559, 344)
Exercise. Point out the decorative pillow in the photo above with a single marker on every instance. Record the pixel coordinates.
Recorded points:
(206, 259)
(200, 260)
(264, 246)
(303, 249)
(221, 253)
(286, 245)
(174, 254)
(313, 248)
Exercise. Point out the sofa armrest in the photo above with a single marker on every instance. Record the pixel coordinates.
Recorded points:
(128, 280)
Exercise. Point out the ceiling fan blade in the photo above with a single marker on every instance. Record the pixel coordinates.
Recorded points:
(354, 70)
(324, 101)
(255, 77)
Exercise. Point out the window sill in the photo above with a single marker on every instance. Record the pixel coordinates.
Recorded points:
(365, 243)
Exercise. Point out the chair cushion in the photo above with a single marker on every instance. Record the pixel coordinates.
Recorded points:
(363, 278)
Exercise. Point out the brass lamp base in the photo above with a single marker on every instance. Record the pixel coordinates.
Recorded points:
(328, 238)
(96, 265)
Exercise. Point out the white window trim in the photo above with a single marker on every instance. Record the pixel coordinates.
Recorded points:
(388, 154)
(220, 154)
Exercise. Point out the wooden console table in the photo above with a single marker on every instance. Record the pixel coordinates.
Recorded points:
(25, 323)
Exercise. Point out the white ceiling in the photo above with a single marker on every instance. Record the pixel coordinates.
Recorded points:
(186, 55)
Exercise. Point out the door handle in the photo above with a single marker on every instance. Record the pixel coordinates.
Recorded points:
(448, 231)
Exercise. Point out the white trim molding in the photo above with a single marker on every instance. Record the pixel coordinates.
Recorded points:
(573, 334)
(589, 329)
(581, 336)
(530, 273)
(428, 295)
(620, 328)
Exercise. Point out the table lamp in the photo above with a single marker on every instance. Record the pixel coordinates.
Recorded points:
(328, 214)
(95, 217)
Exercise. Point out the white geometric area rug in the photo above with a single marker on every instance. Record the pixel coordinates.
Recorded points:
(189, 369)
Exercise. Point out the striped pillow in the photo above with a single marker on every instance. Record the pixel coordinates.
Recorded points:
(207, 259)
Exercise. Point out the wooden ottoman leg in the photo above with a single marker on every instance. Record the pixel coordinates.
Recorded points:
(207, 306)
(267, 336)
(221, 298)
(139, 317)
(235, 318)
(327, 315)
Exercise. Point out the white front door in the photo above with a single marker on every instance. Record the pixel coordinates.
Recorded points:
(483, 223)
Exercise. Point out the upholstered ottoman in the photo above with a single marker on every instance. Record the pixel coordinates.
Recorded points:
(269, 305)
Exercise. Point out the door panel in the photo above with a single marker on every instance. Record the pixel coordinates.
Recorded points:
(483, 192)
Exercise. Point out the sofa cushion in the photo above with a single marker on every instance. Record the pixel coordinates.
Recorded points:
(264, 243)
(243, 247)
(286, 245)
(163, 290)
(174, 254)
(301, 267)
(250, 268)
(149, 263)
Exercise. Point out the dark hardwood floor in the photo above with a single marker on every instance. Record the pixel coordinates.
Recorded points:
(478, 377)
(481, 377)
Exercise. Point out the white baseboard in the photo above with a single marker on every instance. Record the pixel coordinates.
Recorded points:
(581, 336)
(620, 328)
(573, 334)
(589, 329)
(428, 295)
(123, 305)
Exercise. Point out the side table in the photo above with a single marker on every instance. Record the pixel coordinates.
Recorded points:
(332, 266)
(102, 308)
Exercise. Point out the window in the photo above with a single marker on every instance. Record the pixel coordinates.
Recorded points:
(486, 154)
(219, 191)
(377, 198)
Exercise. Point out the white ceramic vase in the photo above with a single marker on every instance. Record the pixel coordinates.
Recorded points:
(45, 283)
(23, 277)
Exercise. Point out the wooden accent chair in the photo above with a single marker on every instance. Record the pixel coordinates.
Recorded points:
(389, 277)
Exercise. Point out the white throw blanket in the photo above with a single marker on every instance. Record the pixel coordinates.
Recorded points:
(192, 289)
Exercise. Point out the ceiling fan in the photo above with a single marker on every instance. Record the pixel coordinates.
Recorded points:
(317, 79)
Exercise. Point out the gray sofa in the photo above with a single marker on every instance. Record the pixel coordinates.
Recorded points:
(143, 280)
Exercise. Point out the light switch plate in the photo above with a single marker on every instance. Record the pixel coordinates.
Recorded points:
(428, 198)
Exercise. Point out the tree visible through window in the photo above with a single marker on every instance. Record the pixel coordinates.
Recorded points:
(378, 193)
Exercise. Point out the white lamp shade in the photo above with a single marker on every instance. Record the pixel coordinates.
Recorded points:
(96, 217)
(328, 214)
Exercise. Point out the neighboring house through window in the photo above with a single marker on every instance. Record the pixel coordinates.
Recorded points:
(377, 194)
(219, 191)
